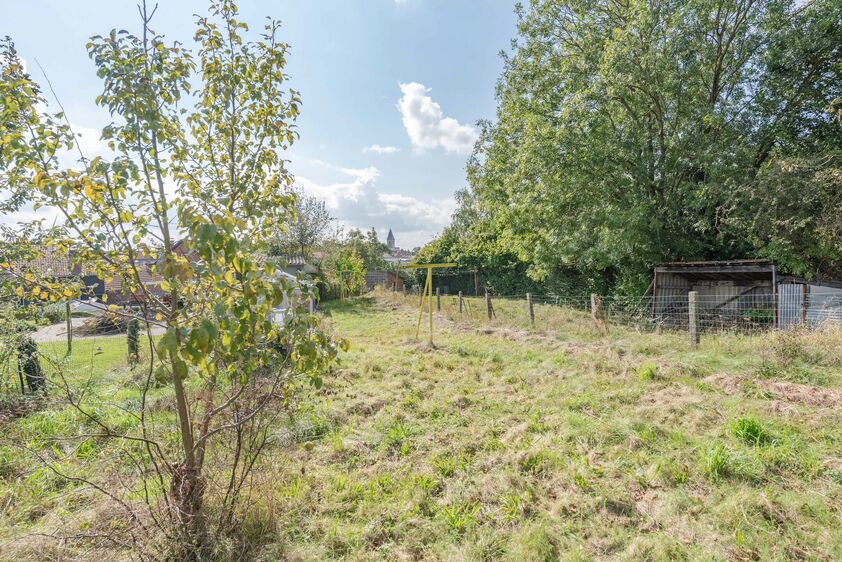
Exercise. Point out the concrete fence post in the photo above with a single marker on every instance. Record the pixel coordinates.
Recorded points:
(460, 302)
(488, 310)
(529, 310)
(693, 312)
(438, 299)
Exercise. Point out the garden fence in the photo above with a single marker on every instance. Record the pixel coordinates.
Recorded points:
(695, 313)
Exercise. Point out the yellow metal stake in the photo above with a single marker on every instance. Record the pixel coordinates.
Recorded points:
(428, 292)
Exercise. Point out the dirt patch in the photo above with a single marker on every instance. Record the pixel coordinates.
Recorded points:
(788, 391)
(17, 407)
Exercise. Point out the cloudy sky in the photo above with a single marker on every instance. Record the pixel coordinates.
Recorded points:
(392, 90)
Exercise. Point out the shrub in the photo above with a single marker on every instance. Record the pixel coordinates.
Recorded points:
(55, 313)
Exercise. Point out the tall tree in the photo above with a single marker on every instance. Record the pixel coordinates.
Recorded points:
(624, 127)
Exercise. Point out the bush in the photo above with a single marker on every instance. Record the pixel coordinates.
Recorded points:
(55, 313)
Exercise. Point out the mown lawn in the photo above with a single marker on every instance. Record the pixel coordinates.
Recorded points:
(507, 443)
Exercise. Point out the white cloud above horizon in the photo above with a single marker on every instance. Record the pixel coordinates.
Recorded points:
(378, 149)
(355, 202)
(426, 124)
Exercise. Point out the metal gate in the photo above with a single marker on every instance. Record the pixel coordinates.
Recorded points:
(792, 305)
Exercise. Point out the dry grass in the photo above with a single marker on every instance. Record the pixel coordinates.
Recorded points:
(502, 442)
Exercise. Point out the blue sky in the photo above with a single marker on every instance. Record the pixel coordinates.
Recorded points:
(392, 90)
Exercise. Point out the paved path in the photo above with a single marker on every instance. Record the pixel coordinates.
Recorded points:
(58, 332)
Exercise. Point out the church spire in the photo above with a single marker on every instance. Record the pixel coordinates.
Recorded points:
(390, 240)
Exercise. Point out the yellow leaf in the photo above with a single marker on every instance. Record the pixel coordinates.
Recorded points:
(159, 316)
(165, 286)
(229, 276)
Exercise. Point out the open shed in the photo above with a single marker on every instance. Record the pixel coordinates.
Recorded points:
(743, 294)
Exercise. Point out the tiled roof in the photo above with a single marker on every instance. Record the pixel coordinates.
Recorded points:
(51, 262)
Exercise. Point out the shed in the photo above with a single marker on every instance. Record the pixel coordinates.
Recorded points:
(743, 294)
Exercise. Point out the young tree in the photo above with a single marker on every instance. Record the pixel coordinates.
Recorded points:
(197, 139)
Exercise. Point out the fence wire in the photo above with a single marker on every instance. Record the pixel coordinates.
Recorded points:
(751, 312)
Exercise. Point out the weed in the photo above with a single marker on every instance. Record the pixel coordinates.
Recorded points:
(537, 424)
(647, 372)
(750, 431)
(396, 438)
(717, 462)
(459, 517)
(445, 464)
(514, 505)
(536, 463)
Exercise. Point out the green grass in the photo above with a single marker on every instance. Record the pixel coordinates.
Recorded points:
(505, 442)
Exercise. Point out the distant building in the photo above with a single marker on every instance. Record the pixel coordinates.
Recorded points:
(382, 278)
(395, 254)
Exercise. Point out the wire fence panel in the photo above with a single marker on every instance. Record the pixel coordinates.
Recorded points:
(751, 310)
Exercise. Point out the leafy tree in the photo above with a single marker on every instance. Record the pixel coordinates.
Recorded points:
(369, 247)
(197, 139)
(307, 228)
(344, 269)
(624, 129)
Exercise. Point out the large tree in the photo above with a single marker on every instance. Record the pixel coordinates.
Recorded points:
(625, 129)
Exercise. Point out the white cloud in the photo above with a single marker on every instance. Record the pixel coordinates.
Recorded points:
(356, 202)
(426, 124)
(377, 149)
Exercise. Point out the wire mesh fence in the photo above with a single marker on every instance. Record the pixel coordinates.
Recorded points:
(751, 312)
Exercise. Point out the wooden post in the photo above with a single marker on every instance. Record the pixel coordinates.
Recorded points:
(804, 304)
(430, 301)
(460, 302)
(693, 311)
(438, 299)
(530, 311)
(597, 313)
(488, 309)
(69, 328)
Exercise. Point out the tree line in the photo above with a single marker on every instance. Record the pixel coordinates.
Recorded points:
(634, 132)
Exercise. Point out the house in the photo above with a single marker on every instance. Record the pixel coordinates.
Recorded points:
(743, 293)
(300, 264)
(53, 264)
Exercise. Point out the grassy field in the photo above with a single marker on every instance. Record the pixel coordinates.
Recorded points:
(507, 443)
